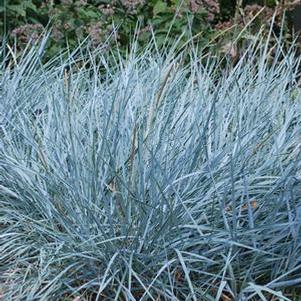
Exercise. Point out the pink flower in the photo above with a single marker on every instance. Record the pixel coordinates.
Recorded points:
(194, 6)
(106, 9)
(56, 34)
(132, 5)
(211, 6)
(28, 32)
(95, 32)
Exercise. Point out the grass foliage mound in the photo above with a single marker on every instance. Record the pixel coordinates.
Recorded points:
(150, 179)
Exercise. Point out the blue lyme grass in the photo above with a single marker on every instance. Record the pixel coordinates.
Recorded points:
(149, 178)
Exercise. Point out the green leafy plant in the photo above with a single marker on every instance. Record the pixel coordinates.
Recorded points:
(71, 21)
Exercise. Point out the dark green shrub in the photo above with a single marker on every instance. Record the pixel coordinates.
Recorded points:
(72, 21)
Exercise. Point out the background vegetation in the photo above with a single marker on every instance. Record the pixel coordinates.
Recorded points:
(71, 21)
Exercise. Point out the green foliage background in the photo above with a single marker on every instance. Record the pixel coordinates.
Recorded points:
(23, 21)
(74, 20)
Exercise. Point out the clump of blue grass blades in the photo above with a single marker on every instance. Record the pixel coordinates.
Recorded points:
(149, 179)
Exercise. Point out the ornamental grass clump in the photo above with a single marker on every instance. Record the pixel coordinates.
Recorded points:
(150, 178)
